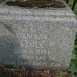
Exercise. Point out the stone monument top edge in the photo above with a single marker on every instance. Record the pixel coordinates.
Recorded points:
(51, 11)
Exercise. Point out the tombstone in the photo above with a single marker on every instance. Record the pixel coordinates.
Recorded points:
(39, 38)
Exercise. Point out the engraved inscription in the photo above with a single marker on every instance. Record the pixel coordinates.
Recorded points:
(35, 43)
(37, 39)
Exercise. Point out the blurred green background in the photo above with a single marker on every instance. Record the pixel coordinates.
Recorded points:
(71, 3)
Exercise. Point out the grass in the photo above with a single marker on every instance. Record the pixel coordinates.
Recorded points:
(73, 64)
(75, 9)
(23, 72)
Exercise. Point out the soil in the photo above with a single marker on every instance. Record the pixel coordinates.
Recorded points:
(23, 72)
(37, 3)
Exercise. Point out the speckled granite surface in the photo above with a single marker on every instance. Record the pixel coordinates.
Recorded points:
(41, 38)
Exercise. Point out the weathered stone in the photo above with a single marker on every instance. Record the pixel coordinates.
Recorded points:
(41, 38)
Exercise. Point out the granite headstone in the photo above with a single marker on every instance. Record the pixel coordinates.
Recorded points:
(40, 38)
